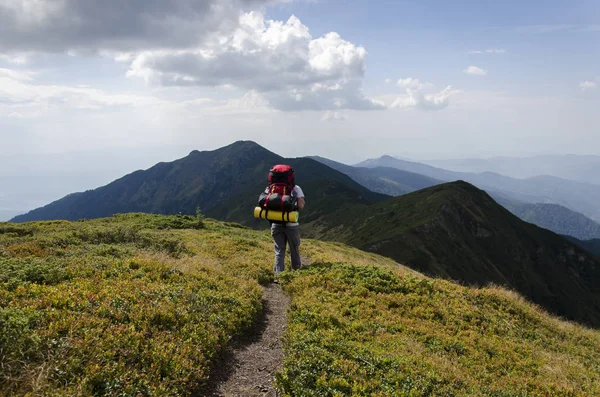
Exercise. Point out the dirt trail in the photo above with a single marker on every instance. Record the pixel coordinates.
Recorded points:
(248, 370)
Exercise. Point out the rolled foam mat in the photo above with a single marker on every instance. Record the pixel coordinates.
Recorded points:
(271, 215)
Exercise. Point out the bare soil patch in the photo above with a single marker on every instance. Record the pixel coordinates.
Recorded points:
(248, 368)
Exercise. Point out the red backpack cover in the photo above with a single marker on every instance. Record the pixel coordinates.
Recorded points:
(278, 195)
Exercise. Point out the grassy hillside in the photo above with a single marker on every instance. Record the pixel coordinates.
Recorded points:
(220, 182)
(141, 304)
(457, 231)
(130, 305)
(121, 306)
(367, 331)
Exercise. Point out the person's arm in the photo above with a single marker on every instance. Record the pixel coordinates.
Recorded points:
(301, 203)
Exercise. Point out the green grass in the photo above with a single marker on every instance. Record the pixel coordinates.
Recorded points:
(130, 305)
(116, 306)
(366, 330)
(140, 305)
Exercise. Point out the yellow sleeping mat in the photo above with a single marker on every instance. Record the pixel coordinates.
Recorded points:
(271, 215)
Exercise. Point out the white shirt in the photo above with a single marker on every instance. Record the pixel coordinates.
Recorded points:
(298, 193)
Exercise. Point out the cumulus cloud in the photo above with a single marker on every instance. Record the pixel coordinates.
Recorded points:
(475, 71)
(409, 82)
(416, 98)
(489, 51)
(587, 85)
(212, 43)
(420, 95)
(415, 84)
(119, 25)
(281, 60)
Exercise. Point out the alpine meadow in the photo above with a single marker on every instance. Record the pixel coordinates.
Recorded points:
(299, 198)
(143, 304)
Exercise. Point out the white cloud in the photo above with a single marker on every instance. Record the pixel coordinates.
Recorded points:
(587, 85)
(489, 51)
(415, 84)
(21, 96)
(416, 98)
(388, 81)
(281, 60)
(409, 82)
(333, 116)
(475, 71)
(419, 95)
(121, 56)
(16, 59)
(93, 26)
(17, 75)
(211, 43)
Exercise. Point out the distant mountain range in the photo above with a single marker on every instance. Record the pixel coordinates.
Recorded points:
(577, 196)
(459, 232)
(386, 180)
(223, 183)
(557, 218)
(574, 167)
(395, 182)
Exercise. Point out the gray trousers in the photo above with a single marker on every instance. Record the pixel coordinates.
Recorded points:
(282, 235)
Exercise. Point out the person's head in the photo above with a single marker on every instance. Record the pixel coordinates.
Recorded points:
(282, 173)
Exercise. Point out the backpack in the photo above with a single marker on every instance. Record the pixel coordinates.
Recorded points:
(278, 195)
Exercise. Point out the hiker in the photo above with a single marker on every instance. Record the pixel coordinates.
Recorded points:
(283, 189)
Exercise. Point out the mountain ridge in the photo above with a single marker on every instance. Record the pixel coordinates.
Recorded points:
(582, 168)
(556, 218)
(385, 180)
(577, 196)
(458, 231)
(204, 179)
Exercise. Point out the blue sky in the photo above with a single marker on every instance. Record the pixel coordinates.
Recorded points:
(84, 83)
(543, 40)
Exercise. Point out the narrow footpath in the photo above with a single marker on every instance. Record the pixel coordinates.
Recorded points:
(248, 370)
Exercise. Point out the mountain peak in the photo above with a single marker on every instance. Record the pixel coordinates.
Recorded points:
(249, 147)
(462, 186)
(222, 182)
(237, 145)
(243, 144)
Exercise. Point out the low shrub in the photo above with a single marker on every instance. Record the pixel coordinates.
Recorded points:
(364, 330)
(120, 306)
(16, 271)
